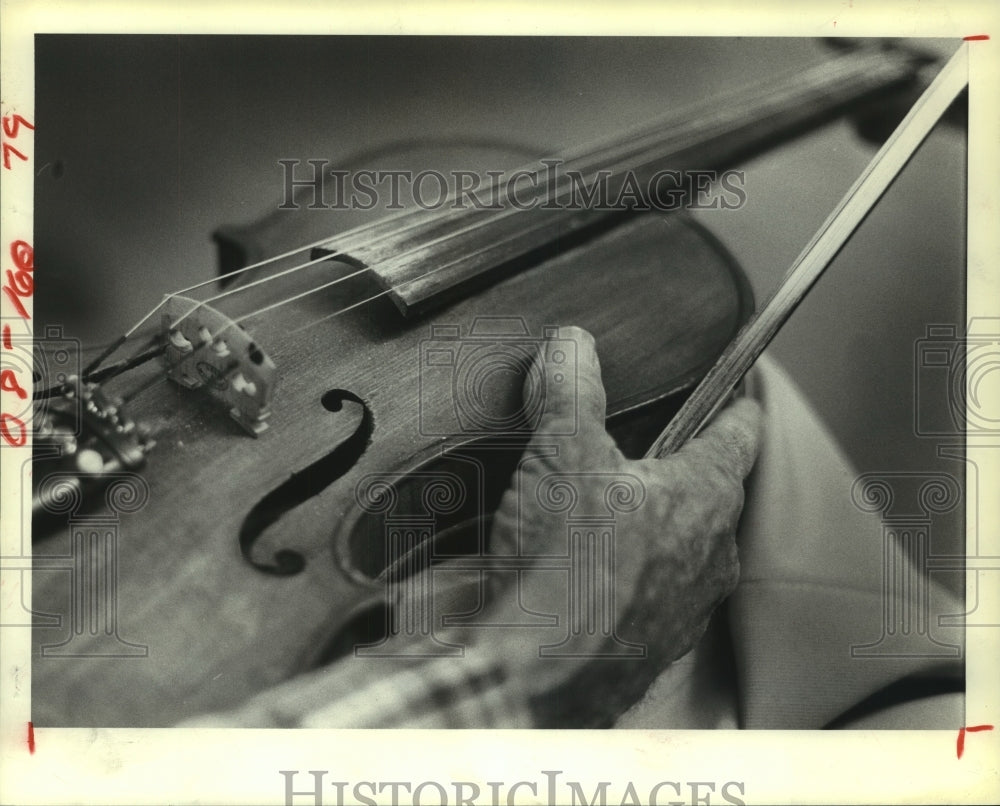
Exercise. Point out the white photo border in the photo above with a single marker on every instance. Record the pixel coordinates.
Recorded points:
(110, 766)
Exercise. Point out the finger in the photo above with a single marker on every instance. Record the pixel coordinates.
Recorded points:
(564, 385)
(733, 437)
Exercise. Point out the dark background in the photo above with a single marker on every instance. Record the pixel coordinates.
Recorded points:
(146, 144)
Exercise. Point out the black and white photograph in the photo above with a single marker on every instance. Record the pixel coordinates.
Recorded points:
(416, 395)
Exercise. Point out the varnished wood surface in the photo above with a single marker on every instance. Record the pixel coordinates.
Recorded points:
(219, 629)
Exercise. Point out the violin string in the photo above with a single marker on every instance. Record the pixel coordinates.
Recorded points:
(615, 170)
(689, 133)
(358, 303)
(542, 223)
(137, 359)
(694, 133)
(345, 243)
(391, 289)
(398, 257)
(145, 353)
(826, 75)
(647, 131)
(348, 240)
(336, 313)
(353, 235)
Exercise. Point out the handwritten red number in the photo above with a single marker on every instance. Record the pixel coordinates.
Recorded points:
(8, 149)
(11, 125)
(20, 283)
(22, 433)
(8, 382)
(23, 255)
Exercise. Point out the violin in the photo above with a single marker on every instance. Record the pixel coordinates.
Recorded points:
(217, 496)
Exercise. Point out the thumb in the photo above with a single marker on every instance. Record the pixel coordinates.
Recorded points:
(563, 388)
(732, 438)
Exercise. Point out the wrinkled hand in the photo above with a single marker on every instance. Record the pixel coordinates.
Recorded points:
(672, 536)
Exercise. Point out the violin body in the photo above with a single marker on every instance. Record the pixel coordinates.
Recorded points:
(220, 626)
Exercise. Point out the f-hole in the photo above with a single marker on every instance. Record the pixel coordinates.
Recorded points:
(302, 486)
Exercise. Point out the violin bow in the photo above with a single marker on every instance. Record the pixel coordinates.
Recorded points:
(757, 333)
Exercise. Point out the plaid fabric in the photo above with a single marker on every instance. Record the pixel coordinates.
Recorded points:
(440, 693)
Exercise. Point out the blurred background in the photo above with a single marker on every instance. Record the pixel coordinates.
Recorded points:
(146, 144)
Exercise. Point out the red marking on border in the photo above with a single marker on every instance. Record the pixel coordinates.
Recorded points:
(8, 149)
(8, 383)
(23, 255)
(31, 738)
(976, 38)
(22, 432)
(6, 338)
(11, 123)
(960, 744)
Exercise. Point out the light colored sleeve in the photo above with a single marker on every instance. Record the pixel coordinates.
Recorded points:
(828, 611)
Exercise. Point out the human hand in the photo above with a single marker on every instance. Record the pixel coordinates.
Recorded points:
(667, 560)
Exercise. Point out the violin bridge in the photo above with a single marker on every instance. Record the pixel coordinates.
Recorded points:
(206, 349)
